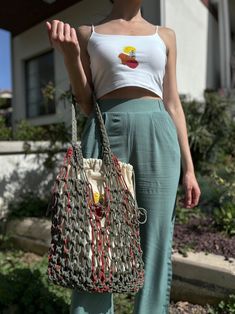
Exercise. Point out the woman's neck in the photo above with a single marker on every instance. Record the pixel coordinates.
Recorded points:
(126, 11)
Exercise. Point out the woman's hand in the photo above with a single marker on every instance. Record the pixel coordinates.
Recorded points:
(63, 38)
(192, 190)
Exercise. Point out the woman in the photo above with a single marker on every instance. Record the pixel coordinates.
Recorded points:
(130, 67)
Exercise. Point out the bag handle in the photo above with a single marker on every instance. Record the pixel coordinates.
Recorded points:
(105, 144)
(107, 153)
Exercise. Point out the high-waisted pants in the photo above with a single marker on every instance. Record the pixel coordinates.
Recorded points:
(141, 132)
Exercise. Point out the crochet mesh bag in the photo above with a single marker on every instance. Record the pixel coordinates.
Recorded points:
(95, 240)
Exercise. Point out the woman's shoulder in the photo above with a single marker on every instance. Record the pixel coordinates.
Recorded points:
(167, 31)
(87, 27)
(168, 35)
(84, 29)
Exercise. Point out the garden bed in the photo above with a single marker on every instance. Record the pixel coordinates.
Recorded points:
(183, 307)
(30, 266)
(203, 262)
(198, 278)
(199, 235)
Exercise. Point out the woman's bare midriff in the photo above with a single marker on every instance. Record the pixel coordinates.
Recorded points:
(130, 92)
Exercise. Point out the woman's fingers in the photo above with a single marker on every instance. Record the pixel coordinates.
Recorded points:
(48, 26)
(54, 27)
(64, 38)
(195, 196)
(188, 196)
(67, 32)
(73, 35)
(192, 197)
(60, 31)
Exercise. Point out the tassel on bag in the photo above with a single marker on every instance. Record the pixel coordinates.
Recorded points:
(95, 239)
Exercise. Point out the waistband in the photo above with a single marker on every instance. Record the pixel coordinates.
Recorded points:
(131, 104)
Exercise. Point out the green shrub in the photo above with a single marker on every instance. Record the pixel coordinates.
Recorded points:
(224, 217)
(28, 204)
(123, 303)
(217, 187)
(211, 130)
(25, 131)
(217, 199)
(224, 211)
(53, 133)
(24, 287)
(224, 306)
(5, 132)
(225, 181)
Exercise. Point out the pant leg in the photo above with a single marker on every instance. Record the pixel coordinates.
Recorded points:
(83, 302)
(148, 140)
(156, 157)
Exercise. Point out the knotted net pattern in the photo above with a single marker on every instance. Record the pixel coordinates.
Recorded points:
(95, 246)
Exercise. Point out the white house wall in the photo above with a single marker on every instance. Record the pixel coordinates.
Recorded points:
(34, 42)
(197, 51)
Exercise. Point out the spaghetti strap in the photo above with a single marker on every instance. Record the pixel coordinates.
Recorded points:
(157, 29)
(92, 28)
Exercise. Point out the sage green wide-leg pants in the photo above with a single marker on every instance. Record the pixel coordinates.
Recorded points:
(142, 133)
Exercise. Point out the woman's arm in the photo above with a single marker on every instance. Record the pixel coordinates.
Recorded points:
(72, 45)
(173, 105)
(79, 73)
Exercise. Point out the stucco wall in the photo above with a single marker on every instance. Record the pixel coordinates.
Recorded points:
(25, 172)
(197, 45)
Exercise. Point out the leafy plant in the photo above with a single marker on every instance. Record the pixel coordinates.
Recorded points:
(123, 303)
(4, 103)
(226, 184)
(224, 306)
(28, 205)
(24, 287)
(184, 214)
(224, 205)
(211, 130)
(54, 133)
(224, 217)
(5, 132)
(30, 290)
(26, 131)
(57, 135)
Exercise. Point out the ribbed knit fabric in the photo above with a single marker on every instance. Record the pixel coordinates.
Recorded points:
(121, 60)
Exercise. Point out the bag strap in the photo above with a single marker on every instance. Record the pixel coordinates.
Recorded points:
(105, 144)
(74, 121)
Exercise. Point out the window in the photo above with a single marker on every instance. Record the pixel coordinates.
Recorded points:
(39, 72)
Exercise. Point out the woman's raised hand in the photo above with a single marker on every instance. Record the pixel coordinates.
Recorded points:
(63, 37)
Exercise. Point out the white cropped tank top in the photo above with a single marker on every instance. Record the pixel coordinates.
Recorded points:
(126, 60)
